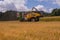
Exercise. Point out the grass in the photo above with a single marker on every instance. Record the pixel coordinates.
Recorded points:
(15, 30)
(53, 18)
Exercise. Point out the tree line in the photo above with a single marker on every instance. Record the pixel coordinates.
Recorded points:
(55, 12)
(8, 15)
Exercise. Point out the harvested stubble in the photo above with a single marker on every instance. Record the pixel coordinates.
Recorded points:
(14, 30)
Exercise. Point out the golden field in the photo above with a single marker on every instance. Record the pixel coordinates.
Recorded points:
(15, 30)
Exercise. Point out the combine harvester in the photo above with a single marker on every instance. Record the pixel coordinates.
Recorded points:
(33, 15)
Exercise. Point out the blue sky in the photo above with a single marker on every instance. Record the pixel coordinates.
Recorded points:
(23, 5)
(48, 4)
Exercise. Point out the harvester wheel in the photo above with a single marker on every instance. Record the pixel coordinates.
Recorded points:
(33, 19)
(37, 19)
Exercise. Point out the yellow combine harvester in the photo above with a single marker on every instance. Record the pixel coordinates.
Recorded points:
(30, 15)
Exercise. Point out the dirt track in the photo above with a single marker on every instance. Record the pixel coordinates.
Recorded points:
(16, 28)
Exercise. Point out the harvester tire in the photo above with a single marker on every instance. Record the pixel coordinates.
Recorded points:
(37, 19)
(32, 20)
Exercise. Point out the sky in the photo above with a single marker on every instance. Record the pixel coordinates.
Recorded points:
(25, 5)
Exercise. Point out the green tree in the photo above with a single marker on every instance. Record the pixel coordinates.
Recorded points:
(55, 12)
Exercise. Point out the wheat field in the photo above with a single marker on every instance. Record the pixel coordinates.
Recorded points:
(15, 30)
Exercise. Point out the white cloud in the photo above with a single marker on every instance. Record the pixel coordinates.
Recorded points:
(56, 2)
(50, 10)
(41, 8)
(13, 5)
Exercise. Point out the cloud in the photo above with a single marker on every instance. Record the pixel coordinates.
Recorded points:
(42, 0)
(50, 10)
(18, 5)
(56, 2)
(41, 8)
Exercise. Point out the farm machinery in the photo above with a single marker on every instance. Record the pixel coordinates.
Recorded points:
(33, 15)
